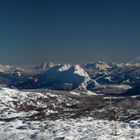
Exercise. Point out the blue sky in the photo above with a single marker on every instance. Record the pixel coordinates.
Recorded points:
(68, 31)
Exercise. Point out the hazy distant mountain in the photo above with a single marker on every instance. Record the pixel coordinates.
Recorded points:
(96, 66)
(5, 68)
(44, 66)
(113, 73)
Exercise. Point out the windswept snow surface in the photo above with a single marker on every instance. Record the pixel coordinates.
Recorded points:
(79, 129)
(12, 99)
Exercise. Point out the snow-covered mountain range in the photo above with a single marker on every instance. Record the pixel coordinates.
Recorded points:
(63, 101)
(98, 77)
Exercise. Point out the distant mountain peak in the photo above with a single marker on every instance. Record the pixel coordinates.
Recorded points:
(64, 67)
(57, 76)
(44, 66)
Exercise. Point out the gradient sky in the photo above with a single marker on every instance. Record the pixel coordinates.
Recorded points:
(68, 31)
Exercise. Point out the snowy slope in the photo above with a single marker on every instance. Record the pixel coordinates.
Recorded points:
(79, 129)
(20, 109)
(15, 104)
(11, 102)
